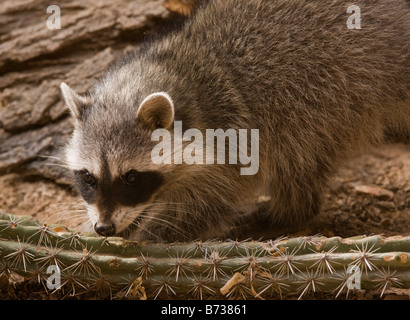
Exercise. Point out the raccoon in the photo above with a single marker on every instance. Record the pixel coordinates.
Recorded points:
(317, 91)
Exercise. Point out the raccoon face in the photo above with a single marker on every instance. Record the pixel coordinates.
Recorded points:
(109, 155)
(112, 201)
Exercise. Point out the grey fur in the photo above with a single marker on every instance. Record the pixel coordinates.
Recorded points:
(317, 91)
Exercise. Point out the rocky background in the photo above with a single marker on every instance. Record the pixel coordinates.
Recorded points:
(371, 194)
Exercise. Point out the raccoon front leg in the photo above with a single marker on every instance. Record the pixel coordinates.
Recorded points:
(294, 202)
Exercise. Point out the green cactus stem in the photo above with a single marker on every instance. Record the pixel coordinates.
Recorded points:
(276, 269)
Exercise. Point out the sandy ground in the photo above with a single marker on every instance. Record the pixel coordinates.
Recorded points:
(369, 195)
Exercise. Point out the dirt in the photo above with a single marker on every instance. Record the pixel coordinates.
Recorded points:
(369, 195)
(385, 206)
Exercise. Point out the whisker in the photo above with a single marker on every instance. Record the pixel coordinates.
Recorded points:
(59, 159)
(72, 219)
(67, 210)
(166, 223)
(67, 202)
(71, 207)
(51, 157)
(57, 165)
(168, 216)
(74, 216)
(66, 214)
(144, 229)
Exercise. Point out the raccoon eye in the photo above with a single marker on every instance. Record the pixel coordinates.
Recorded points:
(89, 179)
(131, 177)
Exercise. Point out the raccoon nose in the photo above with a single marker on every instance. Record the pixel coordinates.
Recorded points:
(105, 230)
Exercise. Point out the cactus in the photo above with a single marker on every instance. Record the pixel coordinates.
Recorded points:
(113, 267)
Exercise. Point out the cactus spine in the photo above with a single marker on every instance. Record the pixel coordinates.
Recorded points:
(116, 268)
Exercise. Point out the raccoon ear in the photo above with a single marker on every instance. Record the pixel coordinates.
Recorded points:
(74, 102)
(157, 111)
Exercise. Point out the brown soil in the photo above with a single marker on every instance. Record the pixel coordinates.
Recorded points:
(383, 209)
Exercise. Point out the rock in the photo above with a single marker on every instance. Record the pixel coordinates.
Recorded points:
(37, 105)
(380, 193)
(389, 205)
(22, 148)
(25, 36)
